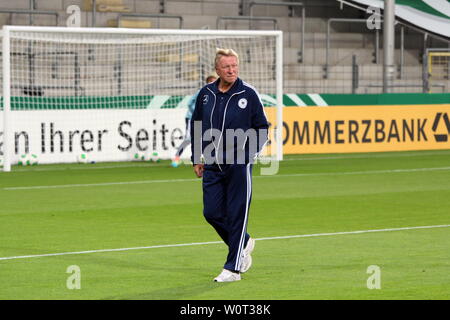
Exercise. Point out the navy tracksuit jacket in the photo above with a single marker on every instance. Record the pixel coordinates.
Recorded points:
(228, 130)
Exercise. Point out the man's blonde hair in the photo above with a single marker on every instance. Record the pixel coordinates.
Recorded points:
(225, 53)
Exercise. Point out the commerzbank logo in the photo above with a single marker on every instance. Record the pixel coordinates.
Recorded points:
(439, 134)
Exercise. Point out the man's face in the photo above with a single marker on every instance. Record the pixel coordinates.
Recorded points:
(227, 68)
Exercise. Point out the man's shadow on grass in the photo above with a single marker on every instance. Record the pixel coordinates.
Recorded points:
(186, 292)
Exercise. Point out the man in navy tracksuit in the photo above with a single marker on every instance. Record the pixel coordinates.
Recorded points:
(228, 130)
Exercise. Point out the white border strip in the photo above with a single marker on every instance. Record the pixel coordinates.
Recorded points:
(343, 156)
(219, 242)
(318, 174)
(296, 99)
(317, 99)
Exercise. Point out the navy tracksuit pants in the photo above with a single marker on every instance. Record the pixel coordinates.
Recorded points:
(227, 193)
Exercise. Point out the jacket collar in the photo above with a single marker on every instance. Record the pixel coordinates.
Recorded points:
(237, 86)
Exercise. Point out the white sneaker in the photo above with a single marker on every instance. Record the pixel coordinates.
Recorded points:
(246, 255)
(227, 276)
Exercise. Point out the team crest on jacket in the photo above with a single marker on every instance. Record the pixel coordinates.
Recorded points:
(205, 99)
(242, 103)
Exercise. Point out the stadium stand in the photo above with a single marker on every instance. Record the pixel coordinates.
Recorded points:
(322, 54)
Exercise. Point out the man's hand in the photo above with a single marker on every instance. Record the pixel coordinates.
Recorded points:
(198, 169)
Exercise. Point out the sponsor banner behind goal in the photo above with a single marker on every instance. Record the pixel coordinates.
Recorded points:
(346, 129)
(60, 136)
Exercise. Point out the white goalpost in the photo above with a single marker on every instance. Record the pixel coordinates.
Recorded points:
(114, 93)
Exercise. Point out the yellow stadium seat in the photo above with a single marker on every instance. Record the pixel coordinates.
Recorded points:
(175, 57)
(106, 6)
(134, 23)
(192, 75)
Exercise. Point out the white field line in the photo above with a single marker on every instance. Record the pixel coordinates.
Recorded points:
(196, 179)
(219, 242)
(370, 156)
(73, 166)
(355, 172)
(100, 184)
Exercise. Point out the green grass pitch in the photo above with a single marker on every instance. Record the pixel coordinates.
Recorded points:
(323, 199)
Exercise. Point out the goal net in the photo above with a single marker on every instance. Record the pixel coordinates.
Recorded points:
(112, 94)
